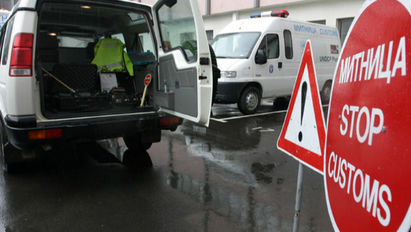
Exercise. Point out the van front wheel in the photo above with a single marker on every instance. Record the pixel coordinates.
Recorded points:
(249, 100)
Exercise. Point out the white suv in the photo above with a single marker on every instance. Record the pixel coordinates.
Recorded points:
(52, 92)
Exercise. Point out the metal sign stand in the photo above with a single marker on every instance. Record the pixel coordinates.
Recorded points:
(298, 197)
(291, 140)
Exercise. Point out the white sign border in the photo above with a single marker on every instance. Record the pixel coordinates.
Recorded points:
(407, 219)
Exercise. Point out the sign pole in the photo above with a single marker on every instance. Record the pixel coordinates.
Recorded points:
(303, 132)
(147, 81)
(298, 197)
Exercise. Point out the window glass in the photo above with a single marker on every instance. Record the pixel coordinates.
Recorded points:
(3, 17)
(270, 45)
(74, 42)
(235, 45)
(343, 27)
(146, 42)
(322, 21)
(7, 42)
(135, 17)
(118, 36)
(177, 29)
(210, 35)
(288, 44)
(2, 34)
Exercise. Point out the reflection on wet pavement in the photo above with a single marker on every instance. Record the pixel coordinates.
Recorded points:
(239, 175)
(3, 204)
(227, 177)
(262, 172)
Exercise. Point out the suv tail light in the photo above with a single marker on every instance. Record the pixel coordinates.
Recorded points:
(170, 121)
(45, 134)
(22, 55)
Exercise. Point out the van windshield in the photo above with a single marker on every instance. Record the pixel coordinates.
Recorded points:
(235, 45)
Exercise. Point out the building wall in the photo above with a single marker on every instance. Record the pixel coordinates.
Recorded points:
(327, 10)
(277, 2)
(222, 12)
(222, 6)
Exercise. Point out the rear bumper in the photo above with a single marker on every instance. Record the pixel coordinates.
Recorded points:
(149, 126)
(229, 92)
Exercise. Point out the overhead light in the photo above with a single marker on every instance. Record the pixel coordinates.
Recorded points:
(85, 7)
(52, 34)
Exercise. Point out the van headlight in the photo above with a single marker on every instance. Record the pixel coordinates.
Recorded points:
(228, 74)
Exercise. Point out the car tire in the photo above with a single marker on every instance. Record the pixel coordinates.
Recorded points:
(133, 142)
(326, 92)
(249, 100)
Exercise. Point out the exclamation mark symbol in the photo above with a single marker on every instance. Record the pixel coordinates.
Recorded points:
(303, 96)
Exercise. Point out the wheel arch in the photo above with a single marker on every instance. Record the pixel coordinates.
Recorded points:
(243, 101)
(252, 84)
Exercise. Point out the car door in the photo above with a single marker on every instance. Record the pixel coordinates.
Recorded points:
(268, 73)
(291, 62)
(183, 86)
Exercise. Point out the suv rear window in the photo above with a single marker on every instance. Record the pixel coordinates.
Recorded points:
(67, 29)
(74, 42)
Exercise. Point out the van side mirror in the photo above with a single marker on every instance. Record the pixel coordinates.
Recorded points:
(260, 57)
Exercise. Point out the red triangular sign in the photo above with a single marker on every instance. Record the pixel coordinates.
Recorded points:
(303, 132)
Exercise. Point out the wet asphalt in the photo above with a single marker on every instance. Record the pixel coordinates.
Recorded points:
(227, 177)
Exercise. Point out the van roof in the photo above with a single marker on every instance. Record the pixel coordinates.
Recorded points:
(276, 23)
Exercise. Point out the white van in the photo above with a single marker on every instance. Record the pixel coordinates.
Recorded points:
(259, 58)
(52, 91)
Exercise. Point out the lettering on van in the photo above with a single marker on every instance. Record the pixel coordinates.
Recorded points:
(306, 29)
(381, 62)
(328, 32)
(328, 59)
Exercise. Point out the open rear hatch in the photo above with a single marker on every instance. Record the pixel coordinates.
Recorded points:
(92, 59)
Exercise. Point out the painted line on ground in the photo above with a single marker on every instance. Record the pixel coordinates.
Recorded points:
(225, 120)
(267, 130)
(253, 115)
(218, 120)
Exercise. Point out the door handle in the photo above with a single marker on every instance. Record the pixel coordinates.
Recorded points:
(280, 65)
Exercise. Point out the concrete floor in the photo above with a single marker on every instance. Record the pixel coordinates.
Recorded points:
(228, 177)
